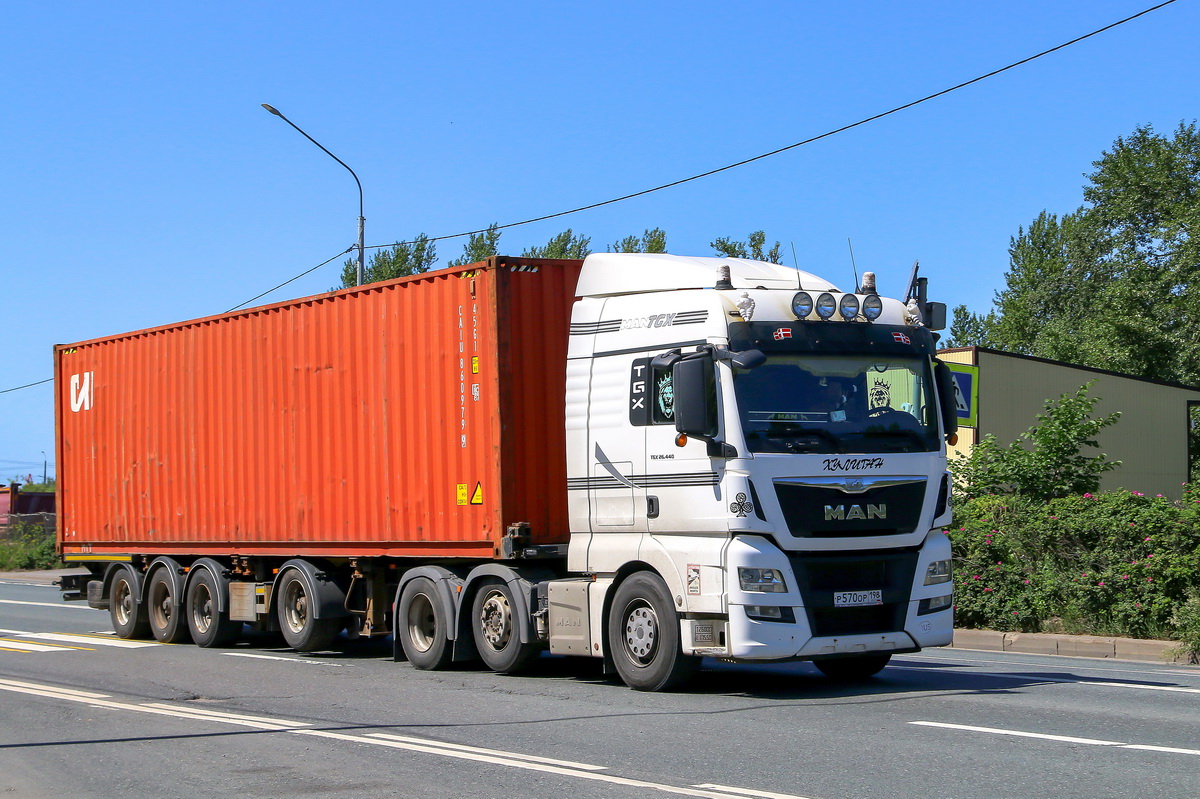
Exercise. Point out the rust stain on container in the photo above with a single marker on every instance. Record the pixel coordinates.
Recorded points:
(419, 416)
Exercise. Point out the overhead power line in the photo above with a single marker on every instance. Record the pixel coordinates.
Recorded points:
(718, 170)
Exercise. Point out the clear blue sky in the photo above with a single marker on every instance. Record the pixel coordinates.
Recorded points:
(144, 184)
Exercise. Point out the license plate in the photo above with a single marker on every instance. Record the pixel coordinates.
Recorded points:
(854, 599)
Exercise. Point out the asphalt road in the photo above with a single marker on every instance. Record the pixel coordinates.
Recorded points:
(83, 713)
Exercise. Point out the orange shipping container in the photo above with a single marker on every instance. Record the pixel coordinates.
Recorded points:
(421, 416)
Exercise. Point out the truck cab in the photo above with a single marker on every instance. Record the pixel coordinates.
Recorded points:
(756, 469)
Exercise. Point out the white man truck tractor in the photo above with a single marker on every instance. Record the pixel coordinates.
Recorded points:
(743, 463)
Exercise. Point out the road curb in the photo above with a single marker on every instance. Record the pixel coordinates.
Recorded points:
(1146, 650)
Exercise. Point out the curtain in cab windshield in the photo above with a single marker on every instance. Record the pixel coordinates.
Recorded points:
(835, 404)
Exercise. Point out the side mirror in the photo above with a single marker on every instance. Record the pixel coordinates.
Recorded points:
(695, 387)
(946, 392)
(748, 359)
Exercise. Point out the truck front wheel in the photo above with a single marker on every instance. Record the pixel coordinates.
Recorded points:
(497, 630)
(643, 636)
(422, 626)
(854, 668)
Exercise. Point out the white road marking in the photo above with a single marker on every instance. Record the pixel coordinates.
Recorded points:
(217, 715)
(68, 638)
(44, 604)
(440, 748)
(276, 657)
(1060, 738)
(465, 748)
(28, 646)
(524, 764)
(1040, 678)
(748, 792)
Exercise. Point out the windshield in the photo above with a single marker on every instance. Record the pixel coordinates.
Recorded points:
(838, 403)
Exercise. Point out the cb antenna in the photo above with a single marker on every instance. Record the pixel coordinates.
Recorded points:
(853, 265)
(796, 263)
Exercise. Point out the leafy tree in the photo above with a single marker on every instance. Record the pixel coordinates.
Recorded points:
(651, 241)
(972, 330)
(1047, 461)
(1116, 283)
(399, 260)
(564, 245)
(751, 248)
(479, 247)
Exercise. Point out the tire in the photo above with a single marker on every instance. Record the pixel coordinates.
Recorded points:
(163, 610)
(497, 630)
(295, 608)
(127, 613)
(209, 626)
(422, 626)
(852, 669)
(643, 636)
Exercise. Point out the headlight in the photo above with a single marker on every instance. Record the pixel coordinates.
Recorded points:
(765, 580)
(826, 305)
(872, 307)
(802, 304)
(938, 572)
(848, 307)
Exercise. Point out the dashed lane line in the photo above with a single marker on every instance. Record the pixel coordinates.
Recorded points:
(1057, 738)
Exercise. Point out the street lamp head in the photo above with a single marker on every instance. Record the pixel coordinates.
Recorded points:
(272, 110)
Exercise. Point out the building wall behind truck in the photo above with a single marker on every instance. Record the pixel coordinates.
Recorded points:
(1150, 439)
(387, 419)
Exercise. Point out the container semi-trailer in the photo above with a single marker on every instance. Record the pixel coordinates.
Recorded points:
(646, 458)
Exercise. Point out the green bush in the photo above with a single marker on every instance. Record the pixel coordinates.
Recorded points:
(1118, 563)
(29, 546)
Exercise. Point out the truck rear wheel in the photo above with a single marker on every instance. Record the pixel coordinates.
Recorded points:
(497, 629)
(422, 626)
(166, 622)
(852, 669)
(208, 625)
(128, 615)
(643, 636)
(302, 630)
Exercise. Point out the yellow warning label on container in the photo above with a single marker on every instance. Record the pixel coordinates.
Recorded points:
(477, 497)
(462, 493)
(474, 364)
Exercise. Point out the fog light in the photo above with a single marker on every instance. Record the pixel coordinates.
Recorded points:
(764, 611)
(872, 307)
(935, 604)
(802, 304)
(848, 307)
(765, 580)
(826, 305)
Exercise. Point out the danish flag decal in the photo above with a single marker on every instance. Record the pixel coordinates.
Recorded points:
(782, 333)
(903, 339)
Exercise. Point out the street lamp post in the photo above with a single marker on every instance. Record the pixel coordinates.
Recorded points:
(361, 220)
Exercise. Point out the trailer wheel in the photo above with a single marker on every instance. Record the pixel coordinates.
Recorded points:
(208, 625)
(852, 669)
(497, 629)
(422, 626)
(128, 615)
(303, 631)
(643, 636)
(166, 622)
